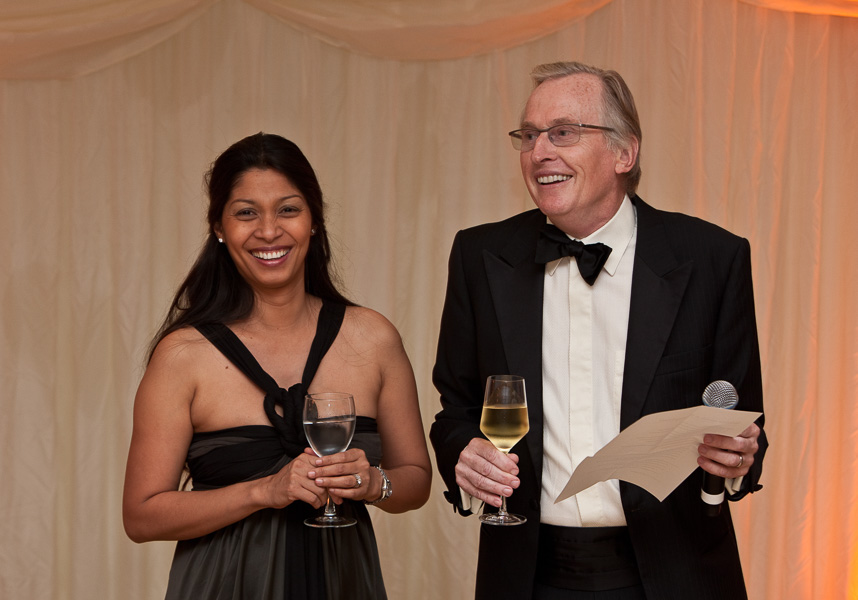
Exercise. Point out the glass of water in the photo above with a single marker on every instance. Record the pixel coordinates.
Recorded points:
(329, 423)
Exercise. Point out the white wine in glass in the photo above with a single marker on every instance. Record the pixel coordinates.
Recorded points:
(329, 423)
(504, 422)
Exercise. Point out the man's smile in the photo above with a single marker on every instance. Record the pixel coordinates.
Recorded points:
(547, 179)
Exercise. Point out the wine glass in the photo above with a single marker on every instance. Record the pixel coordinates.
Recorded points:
(504, 422)
(329, 423)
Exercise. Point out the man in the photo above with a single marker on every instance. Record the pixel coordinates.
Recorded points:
(602, 338)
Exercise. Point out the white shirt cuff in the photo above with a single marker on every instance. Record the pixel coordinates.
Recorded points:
(468, 501)
(733, 486)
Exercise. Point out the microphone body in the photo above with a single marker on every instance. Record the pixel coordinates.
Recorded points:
(719, 394)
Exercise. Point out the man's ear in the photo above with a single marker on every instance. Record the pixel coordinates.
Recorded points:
(627, 156)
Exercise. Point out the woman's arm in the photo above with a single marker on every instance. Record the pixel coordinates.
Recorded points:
(152, 506)
(405, 456)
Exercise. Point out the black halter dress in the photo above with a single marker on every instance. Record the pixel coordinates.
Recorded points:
(271, 554)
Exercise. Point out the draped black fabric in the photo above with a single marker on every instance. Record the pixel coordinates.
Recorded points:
(271, 554)
(219, 458)
(291, 401)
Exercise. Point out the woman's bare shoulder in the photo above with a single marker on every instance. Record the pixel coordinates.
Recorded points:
(367, 328)
(181, 348)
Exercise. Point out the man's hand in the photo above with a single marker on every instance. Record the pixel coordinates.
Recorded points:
(728, 457)
(486, 473)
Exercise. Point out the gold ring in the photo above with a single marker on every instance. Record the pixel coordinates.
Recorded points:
(741, 461)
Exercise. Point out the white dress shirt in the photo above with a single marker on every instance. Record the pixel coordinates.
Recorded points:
(584, 332)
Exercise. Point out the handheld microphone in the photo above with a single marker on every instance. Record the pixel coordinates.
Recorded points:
(720, 394)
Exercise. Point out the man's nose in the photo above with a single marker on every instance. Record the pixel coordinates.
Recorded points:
(543, 149)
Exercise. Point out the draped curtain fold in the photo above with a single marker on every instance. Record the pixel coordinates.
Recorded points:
(836, 8)
(55, 39)
(111, 110)
(48, 39)
(445, 29)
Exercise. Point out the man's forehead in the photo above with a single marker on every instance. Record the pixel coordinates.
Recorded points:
(571, 99)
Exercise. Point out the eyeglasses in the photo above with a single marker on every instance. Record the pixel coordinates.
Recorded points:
(563, 135)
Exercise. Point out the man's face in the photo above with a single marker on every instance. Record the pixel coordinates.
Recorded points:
(579, 187)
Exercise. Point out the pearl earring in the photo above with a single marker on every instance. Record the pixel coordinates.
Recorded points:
(313, 231)
(220, 240)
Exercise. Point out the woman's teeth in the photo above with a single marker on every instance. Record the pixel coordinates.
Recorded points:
(270, 255)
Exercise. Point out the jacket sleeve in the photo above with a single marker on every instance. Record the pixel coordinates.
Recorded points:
(737, 352)
(456, 373)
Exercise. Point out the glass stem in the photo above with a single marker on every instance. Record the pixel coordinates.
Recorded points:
(502, 511)
(330, 508)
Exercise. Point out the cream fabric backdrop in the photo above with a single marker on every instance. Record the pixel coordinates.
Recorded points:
(111, 111)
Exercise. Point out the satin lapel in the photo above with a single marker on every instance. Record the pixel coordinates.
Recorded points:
(658, 285)
(515, 281)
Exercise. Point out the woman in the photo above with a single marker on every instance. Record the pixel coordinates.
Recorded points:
(257, 324)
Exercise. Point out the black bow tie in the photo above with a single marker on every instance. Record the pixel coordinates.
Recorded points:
(553, 244)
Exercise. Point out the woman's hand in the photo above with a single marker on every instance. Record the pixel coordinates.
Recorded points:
(292, 483)
(345, 475)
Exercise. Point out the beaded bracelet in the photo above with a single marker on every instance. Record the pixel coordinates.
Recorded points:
(386, 488)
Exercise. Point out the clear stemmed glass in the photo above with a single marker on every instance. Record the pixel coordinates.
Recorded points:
(329, 423)
(504, 422)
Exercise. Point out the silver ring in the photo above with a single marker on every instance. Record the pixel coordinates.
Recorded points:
(358, 481)
(741, 461)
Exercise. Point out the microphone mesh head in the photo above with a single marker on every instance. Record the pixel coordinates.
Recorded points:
(720, 394)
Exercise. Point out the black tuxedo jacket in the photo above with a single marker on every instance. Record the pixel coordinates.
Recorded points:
(691, 322)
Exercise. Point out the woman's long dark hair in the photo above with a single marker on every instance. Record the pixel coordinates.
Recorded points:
(213, 290)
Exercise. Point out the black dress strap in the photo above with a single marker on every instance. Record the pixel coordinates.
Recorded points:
(289, 426)
(330, 319)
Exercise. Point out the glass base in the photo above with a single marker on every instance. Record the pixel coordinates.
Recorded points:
(335, 521)
(502, 519)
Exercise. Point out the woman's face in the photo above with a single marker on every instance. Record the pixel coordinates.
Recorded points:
(266, 226)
